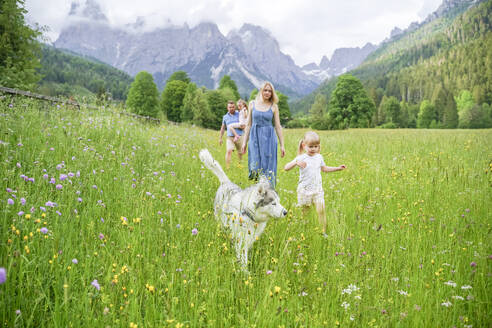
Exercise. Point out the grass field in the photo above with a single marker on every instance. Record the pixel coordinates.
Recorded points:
(107, 221)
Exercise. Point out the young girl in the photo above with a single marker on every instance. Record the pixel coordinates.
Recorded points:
(311, 163)
(243, 119)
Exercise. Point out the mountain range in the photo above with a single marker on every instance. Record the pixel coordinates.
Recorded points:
(249, 55)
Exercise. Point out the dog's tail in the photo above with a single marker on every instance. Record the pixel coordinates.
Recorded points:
(213, 165)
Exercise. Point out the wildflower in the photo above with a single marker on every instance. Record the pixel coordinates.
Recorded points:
(10, 201)
(383, 311)
(75, 261)
(101, 236)
(18, 312)
(450, 283)
(473, 264)
(461, 298)
(447, 304)
(194, 231)
(269, 272)
(402, 292)
(23, 201)
(178, 226)
(21, 213)
(345, 305)
(3, 275)
(466, 287)
(277, 289)
(44, 230)
(59, 187)
(96, 284)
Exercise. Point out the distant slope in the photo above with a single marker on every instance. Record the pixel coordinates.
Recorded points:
(453, 51)
(70, 74)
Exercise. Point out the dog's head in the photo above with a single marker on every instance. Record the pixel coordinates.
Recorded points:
(267, 203)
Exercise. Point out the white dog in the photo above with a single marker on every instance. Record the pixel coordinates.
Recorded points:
(246, 212)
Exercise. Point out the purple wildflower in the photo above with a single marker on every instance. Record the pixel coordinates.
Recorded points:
(269, 272)
(21, 213)
(44, 230)
(45, 176)
(18, 312)
(23, 201)
(3, 275)
(53, 181)
(96, 284)
(79, 200)
(10, 201)
(178, 225)
(101, 236)
(63, 177)
(75, 261)
(194, 231)
(59, 187)
(473, 264)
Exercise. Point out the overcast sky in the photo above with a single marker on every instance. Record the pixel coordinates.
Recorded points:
(305, 29)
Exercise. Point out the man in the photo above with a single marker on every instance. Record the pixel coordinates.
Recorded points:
(231, 117)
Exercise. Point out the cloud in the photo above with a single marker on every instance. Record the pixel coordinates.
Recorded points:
(306, 30)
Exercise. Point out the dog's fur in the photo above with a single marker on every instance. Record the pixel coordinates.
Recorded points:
(245, 212)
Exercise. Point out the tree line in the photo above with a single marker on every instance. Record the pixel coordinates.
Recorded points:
(426, 79)
(183, 101)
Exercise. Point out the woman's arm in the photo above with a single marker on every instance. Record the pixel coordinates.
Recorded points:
(246, 130)
(278, 129)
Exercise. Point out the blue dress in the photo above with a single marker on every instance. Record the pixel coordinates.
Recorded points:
(262, 152)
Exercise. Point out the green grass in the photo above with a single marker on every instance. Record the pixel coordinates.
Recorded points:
(407, 220)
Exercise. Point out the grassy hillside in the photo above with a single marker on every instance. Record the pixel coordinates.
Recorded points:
(453, 52)
(68, 74)
(107, 221)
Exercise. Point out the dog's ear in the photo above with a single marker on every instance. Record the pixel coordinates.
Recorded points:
(262, 188)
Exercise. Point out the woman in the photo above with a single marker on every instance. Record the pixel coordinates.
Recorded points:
(262, 153)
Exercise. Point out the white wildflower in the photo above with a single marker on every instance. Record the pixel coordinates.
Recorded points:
(466, 287)
(457, 297)
(345, 305)
(358, 297)
(447, 304)
(395, 279)
(450, 283)
(402, 292)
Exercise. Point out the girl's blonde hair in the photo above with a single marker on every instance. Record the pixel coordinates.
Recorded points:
(274, 98)
(241, 101)
(310, 137)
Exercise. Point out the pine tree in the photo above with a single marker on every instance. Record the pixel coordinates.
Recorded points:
(188, 100)
(19, 49)
(427, 115)
(283, 108)
(202, 114)
(450, 115)
(172, 99)
(179, 76)
(227, 82)
(143, 97)
(350, 106)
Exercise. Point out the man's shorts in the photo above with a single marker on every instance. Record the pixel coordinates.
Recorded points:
(231, 145)
(307, 198)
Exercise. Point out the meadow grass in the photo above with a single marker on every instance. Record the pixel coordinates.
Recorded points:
(107, 221)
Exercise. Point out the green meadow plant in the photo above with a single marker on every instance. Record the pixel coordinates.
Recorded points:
(108, 221)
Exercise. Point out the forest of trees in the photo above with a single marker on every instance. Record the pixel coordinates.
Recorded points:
(183, 101)
(66, 74)
(421, 79)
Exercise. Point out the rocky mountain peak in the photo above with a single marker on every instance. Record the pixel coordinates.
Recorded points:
(90, 9)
